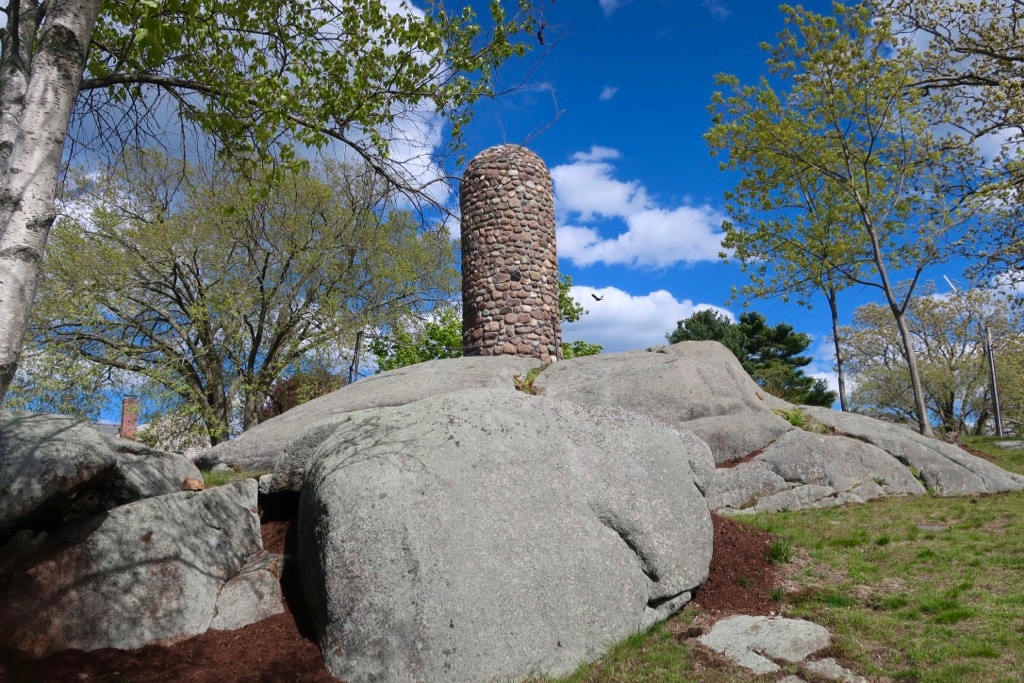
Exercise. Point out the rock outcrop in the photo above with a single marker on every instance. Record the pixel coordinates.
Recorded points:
(701, 387)
(490, 535)
(698, 386)
(943, 468)
(804, 470)
(285, 443)
(54, 468)
(451, 526)
(147, 571)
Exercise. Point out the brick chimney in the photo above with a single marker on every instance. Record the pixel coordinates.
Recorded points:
(129, 417)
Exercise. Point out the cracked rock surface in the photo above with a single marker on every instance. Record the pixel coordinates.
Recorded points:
(492, 535)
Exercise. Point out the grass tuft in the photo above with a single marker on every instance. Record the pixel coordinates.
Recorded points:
(780, 551)
(211, 479)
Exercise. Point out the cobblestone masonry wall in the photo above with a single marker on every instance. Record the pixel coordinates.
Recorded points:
(509, 256)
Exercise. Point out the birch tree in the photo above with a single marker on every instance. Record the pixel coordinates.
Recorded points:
(842, 115)
(254, 79)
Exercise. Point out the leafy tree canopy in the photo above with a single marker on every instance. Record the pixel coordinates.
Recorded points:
(248, 79)
(299, 387)
(844, 178)
(438, 338)
(182, 276)
(769, 354)
(948, 335)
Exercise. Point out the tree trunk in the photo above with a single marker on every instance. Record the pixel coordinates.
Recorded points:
(28, 183)
(924, 426)
(251, 410)
(840, 368)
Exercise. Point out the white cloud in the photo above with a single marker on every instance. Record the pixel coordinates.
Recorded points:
(655, 236)
(822, 366)
(609, 6)
(1010, 282)
(585, 189)
(608, 92)
(596, 153)
(624, 322)
(717, 8)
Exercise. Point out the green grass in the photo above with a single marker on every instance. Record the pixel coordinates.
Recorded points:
(938, 605)
(661, 655)
(923, 589)
(780, 552)
(211, 479)
(1010, 460)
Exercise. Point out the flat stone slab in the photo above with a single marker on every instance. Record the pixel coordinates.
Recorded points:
(753, 642)
(830, 669)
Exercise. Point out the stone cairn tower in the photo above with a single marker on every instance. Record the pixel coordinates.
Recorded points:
(509, 259)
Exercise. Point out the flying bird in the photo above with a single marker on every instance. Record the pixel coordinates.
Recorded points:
(596, 297)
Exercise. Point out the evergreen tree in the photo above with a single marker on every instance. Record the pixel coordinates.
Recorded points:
(769, 354)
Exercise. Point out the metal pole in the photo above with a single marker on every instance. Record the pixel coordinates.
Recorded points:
(992, 378)
(991, 367)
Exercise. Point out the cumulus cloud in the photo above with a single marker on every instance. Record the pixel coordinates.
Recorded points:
(624, 322)
(608, 92)
(591, 203)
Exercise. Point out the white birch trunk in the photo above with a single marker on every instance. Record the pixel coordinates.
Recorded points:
(28, 182)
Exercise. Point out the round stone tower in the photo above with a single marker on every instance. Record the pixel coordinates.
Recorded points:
(509, 257)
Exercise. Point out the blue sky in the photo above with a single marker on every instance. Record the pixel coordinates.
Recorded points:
(639, 198)
(615, 103)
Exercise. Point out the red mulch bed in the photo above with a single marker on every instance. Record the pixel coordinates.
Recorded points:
(282, 648)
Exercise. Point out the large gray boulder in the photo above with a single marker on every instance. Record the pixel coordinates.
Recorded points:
(490, 535)
(698, 386)
(147, 571)
(286, 441)
(804, 470)
(144, 472)
(51, 465)
(943, 468)
(42, 459)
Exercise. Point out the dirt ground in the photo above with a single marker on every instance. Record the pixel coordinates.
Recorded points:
(282, 648)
